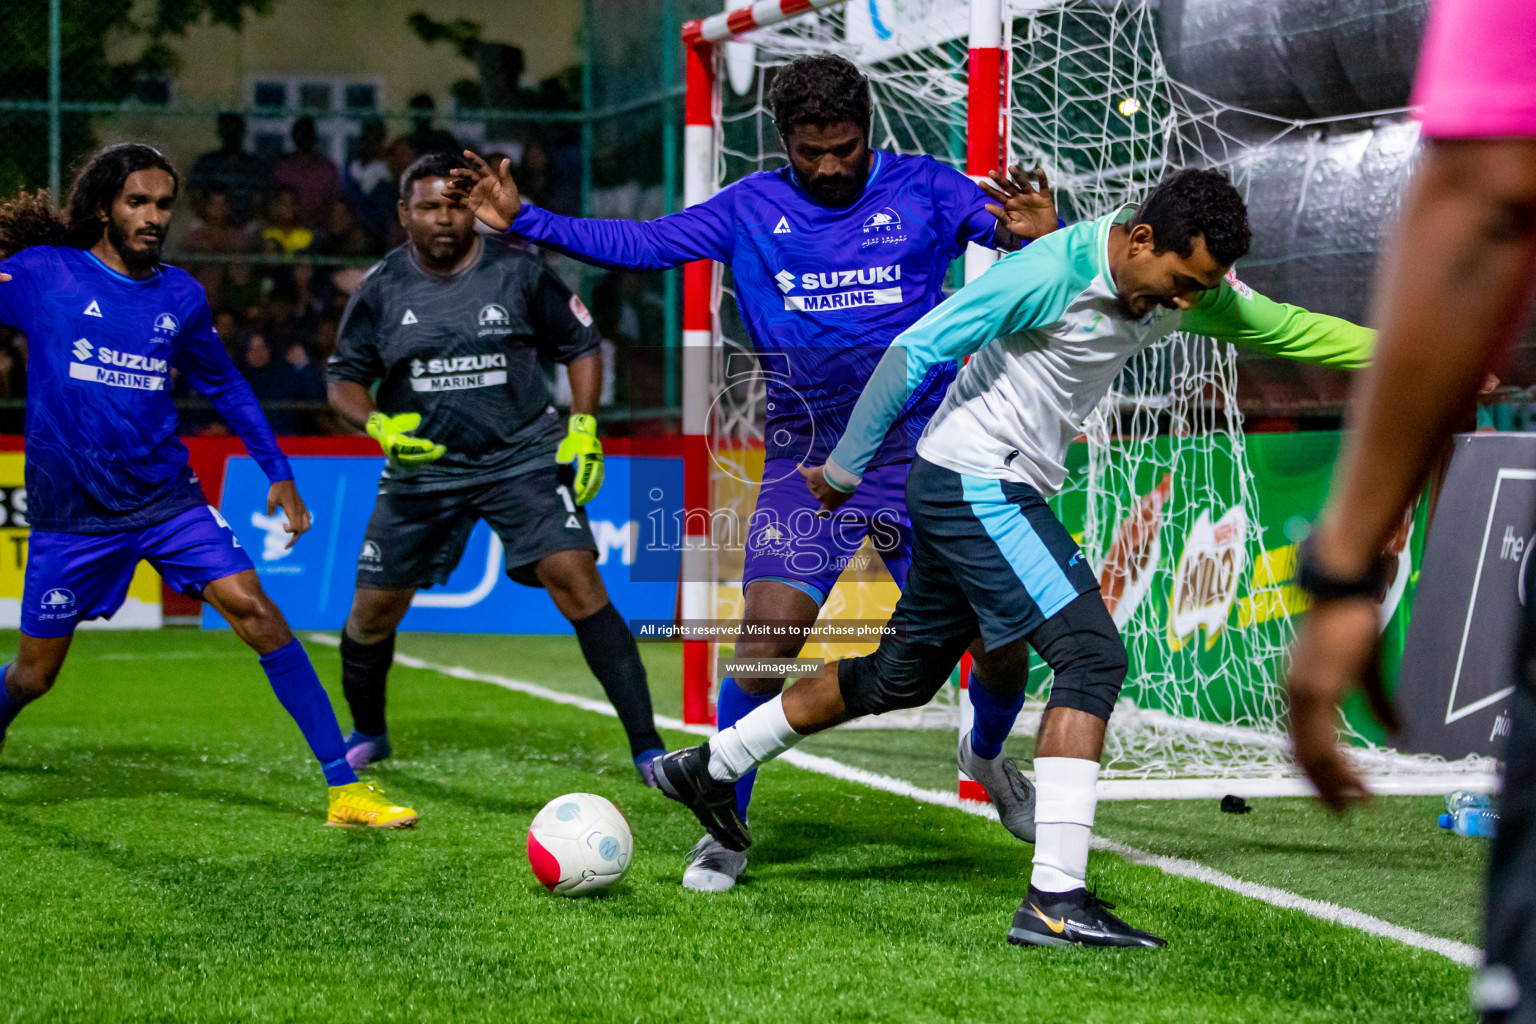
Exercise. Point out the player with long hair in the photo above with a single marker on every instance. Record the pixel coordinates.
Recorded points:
(108, 482)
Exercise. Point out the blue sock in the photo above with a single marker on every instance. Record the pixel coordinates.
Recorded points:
(994, 718)
(10, 707)
(732, 706)
(298, 689)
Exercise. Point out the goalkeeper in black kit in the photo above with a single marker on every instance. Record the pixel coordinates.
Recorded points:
(452, 327)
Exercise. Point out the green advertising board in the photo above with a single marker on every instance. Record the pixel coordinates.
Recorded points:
(1198, 562)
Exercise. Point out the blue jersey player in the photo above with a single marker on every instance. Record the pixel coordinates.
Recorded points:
(107, 479)
(833, 256)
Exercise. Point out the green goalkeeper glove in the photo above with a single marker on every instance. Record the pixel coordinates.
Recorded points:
(582, 446)
(393, 435)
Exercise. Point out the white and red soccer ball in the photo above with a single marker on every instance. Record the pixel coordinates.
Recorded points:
(579, 843)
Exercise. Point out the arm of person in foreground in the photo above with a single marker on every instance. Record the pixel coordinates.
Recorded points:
(1452, 288)
(1235, 313)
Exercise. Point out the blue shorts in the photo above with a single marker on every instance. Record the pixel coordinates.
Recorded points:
(788, 543)
(72, 577)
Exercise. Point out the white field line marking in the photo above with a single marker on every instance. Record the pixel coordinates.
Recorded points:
(1460, 952)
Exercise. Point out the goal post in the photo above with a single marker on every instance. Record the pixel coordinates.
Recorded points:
(985, 120)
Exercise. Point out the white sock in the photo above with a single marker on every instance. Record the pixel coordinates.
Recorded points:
(1066, 795)
(760, 735)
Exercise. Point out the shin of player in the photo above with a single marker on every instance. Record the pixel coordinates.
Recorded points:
(103, 292)
(452, 327)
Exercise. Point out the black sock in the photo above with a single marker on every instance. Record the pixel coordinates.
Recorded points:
(614, 657)
(364, 668)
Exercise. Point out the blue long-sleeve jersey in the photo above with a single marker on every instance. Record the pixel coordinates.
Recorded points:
(102, 450)
(823, 291)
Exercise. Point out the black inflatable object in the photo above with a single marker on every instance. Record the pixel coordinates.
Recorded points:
(1299, 59)
(1321, 210)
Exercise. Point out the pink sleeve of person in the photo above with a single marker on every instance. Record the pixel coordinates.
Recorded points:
(1477, 70)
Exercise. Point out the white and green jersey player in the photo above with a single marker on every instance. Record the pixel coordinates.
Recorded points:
(1047, 329)
(1048, 332)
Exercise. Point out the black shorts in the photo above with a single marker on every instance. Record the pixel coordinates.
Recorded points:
(415, 539)
(989, 558)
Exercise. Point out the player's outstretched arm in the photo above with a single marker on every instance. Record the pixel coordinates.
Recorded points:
(202, 359)
(1235, 313)
(704, 231)
(1451, 290)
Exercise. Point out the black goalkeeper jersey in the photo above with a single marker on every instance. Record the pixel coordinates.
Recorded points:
(464, 352)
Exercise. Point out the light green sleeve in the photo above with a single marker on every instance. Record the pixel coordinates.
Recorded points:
(1235, 313)
(1028, 288)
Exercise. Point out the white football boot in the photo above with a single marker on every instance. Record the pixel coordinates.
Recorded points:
(713, 868)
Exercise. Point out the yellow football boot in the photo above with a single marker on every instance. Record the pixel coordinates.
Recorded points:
(364, 803)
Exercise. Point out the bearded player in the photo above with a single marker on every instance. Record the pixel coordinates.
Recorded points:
(1048, 330)
(832, 256)
(452, 327)
(107, 479)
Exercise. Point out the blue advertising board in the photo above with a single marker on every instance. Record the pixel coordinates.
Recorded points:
(312, 583)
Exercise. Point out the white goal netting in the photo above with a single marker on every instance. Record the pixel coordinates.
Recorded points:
(1200, 582)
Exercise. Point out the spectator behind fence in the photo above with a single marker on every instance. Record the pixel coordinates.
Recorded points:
(216, 233)
(227, 327)
(370, 184)
(344, 236)
(309, 173)
(425, 137)
(280, 379)
(281, 232)
(241, 176)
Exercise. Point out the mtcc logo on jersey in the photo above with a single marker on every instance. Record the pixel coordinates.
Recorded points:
(167, 325)
(884, 219)
(493, 315)
(58, 600)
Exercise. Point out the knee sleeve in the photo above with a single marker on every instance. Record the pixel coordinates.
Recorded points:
(900, 674)
(1083, 648)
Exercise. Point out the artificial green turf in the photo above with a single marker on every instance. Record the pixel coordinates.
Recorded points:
(1389, 858)
(161, 858)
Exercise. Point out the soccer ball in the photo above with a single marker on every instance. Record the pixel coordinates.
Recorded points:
(579, 843)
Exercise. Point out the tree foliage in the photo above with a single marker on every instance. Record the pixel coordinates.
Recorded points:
(88, 72)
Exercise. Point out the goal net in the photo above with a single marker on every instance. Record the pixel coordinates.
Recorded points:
(1197, 571)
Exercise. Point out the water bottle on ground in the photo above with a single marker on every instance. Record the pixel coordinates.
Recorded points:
(1471, 821)
(1466, 798)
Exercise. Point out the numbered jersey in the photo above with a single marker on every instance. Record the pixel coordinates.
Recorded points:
(464, 352)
